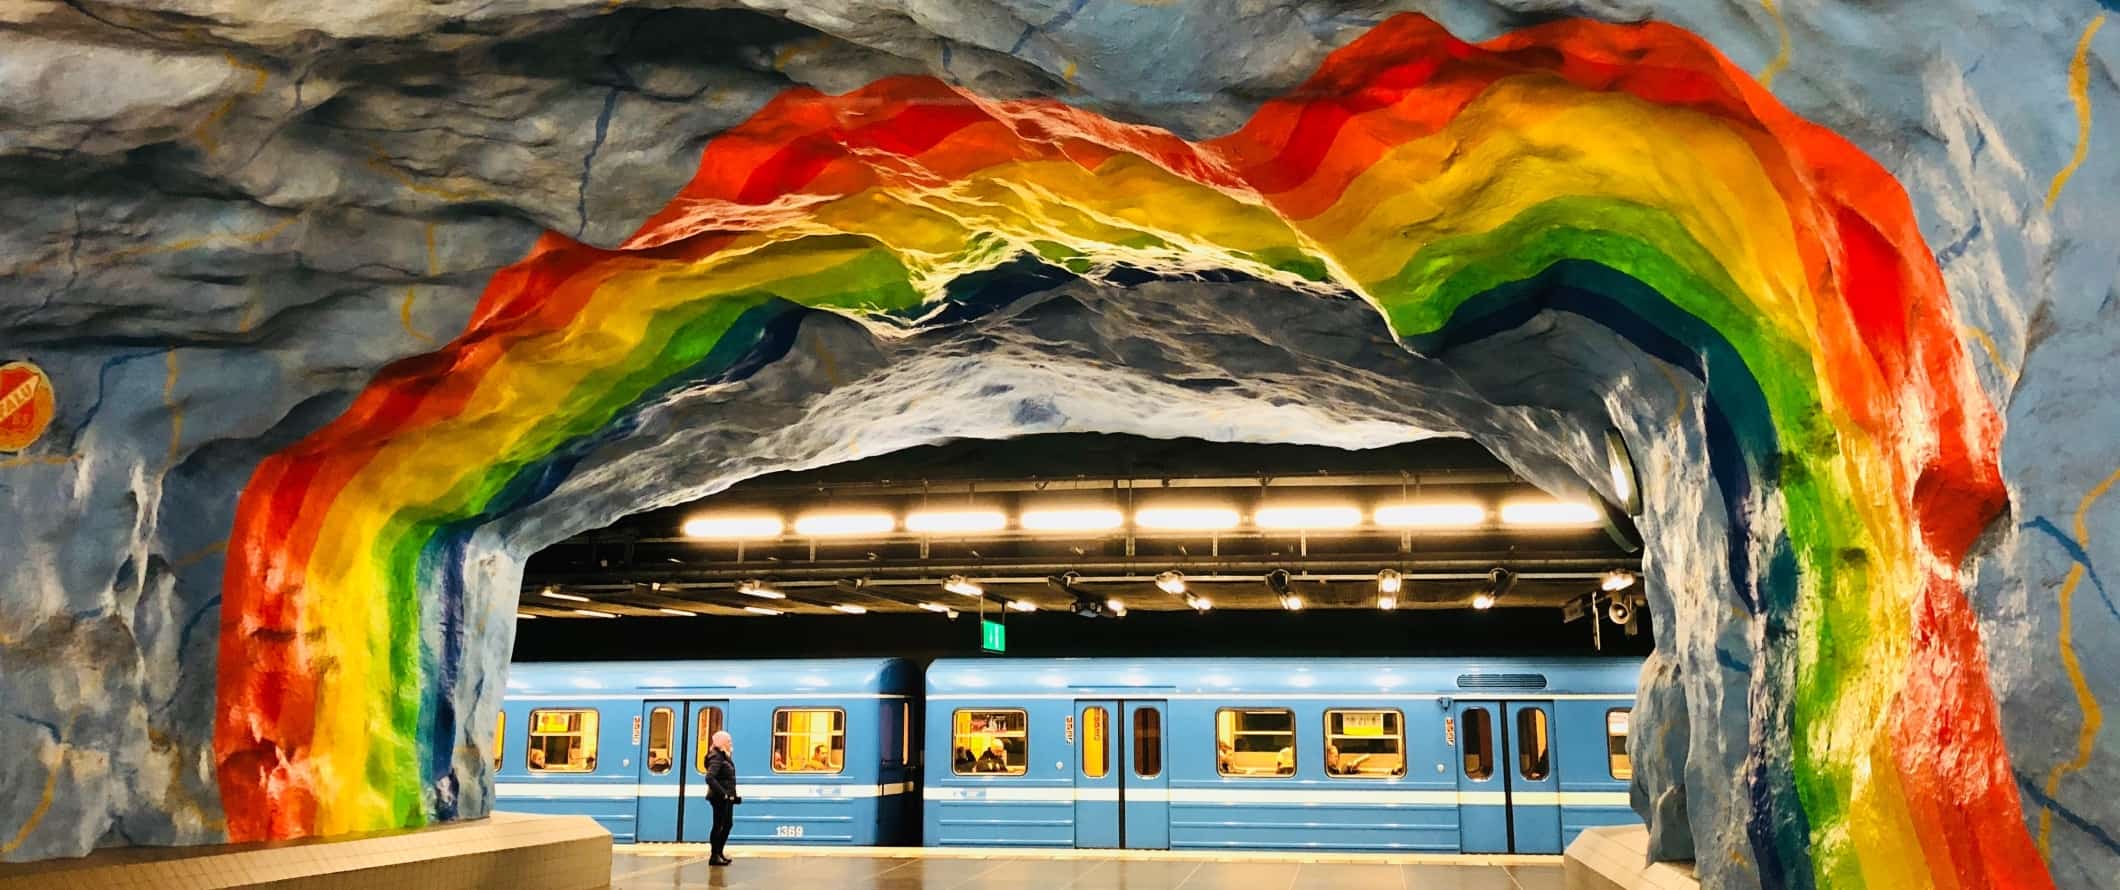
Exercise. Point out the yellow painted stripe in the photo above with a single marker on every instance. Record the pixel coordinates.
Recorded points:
(2079, 90)
(44, 805)
(1780, 62)
(2093, 715)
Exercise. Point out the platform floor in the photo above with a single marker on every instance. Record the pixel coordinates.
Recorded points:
(675, 866)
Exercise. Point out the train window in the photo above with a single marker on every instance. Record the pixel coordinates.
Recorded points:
(562, 741)
(989, 742)
(1616, 758)
(662, 729)
(1096, 742)
(500, 738)
(1365, 744)
(1148, 743)
(809, 740)
(709, 723)
(905, 734)
(1255, 742)
(1479, 744)
(1534, 751)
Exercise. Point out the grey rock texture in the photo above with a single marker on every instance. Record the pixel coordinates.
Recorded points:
(223, 216)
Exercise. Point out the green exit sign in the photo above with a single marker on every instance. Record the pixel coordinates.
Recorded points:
(993, 637)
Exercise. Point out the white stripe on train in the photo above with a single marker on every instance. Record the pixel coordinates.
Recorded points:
(1288, 797)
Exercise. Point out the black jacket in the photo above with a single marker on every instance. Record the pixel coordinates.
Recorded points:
(721, 776)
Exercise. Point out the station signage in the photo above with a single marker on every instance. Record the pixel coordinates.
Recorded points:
(993, 636)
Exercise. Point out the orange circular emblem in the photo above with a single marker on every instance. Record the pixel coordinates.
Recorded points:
(25, 405)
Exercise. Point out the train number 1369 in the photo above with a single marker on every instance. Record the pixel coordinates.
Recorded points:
(787, 831)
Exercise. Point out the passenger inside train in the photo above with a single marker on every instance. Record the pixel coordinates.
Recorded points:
(995, 760)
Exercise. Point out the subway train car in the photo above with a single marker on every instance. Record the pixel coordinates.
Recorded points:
(1421, 754)
(823, 748)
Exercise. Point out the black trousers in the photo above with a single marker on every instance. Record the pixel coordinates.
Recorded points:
(724, 820)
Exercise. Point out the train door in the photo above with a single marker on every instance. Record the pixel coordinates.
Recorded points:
(702, 720)
(1483, 795)
(1508, 793)
(1122, 796)
(1534, 789)
(662, 774)
(1144, 791)
(1096, 776)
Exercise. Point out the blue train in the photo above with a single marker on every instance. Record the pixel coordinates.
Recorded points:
(1442, 755)
(824, 748)
(1428, 754)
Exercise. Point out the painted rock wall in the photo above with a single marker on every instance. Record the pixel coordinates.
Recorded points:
(349, 309)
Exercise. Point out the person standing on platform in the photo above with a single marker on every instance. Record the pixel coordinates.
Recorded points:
(721, 793)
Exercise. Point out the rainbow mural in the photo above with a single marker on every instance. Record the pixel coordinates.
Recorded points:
(1627, 174)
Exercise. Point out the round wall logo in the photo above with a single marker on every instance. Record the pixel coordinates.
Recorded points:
(25, 405)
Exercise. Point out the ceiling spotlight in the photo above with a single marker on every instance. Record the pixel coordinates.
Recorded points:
(1291, 602)
(1198, 603)
(526, 616)
(733, 527)
(555, 594)
(1023, 605)
(1387, 602)
(591, 613)
(849, 608)
(960, 584)
(1308, 517)
(761, 610)
(1188, 519)
(1083, 520)
(679, 612)
(1116, 606)
(1388, 581)
(957, 521)
(823, 525)
(759, 589)
(1499, 582)
(1172, 582)
(1617, 579)
(1548, 513)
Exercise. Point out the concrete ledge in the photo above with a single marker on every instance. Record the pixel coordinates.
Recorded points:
(513, 850)
(1617, 858)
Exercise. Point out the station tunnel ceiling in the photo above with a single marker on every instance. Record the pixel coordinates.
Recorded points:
(348, 315)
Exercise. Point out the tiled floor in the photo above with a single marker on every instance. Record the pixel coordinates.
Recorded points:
(781, 870)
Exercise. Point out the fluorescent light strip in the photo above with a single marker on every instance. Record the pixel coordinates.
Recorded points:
(679, 612)
(850, 609)
(761, 610)
(1198, 519)
(825, 525)
(930, 522)
(1306, 517)
(1549, 513)
(733, 527)
(551, 594)
(1438, 515)
(1083, 520)
(591, 613)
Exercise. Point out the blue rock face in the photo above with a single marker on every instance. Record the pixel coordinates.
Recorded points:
(223, 222)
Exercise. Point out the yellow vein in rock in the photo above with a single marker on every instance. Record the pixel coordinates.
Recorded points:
(44, 805)
(176, 411)
(2093, 717)
(1781, 59)
(412, 292)
(2079, 90)
(1994, 352)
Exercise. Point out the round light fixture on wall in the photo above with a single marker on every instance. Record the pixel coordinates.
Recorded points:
(1626, 482)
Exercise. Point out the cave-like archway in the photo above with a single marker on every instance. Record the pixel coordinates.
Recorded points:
(1853, 458)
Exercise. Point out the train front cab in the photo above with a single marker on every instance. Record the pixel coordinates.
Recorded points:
(823, 748)
(1407, 755)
